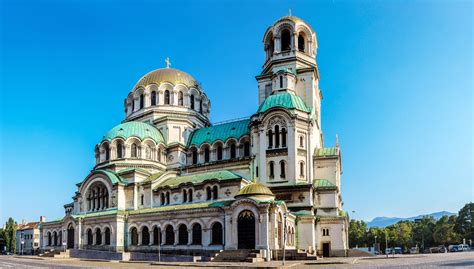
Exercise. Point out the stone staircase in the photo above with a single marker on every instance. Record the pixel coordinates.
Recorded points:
(238, 255)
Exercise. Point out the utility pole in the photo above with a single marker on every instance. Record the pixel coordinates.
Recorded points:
(386, 242)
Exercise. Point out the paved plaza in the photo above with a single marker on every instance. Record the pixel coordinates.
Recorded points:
(445, 260)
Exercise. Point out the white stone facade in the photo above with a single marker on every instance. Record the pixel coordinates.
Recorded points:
(166, 178)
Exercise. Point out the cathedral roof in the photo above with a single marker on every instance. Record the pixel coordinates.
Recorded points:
(235, 129)
(285, 100)
(137, 129)
(171, 75)
(323, 184)
(323, 152)
(255, 189)
(199, 178)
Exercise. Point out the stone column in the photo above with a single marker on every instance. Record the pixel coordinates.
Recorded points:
(150, 232)
(294, 41)
(190, 236)
(176, 236)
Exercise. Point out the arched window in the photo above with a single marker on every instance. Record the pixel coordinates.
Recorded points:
(271, 169)
(98, 237)
(182, 235)
(153, 98)
(134, 152)
(49, 239)
(301, 42)
(55, 238)
(214, 193)
(60, 240)
(232, 151)
(219, 152)
(141, 101)
(281, 82)
(197, 234)
(156, 236)
(270, 139)
(301, 142)
(133, 105)
(282, 169)
(119, 150)
(190, 194)
(134, 236)
(285, 40)
(246, 148)
(192, 101)
(277, 136)
(162, 196)
(194, 156)
(90, 240)
(200, 106)
(145, 236)
(180, 98)
(107, 152)
(283, 137)
(142, 199)
(216, 236)
(206, 155)
(168, 198)
(208, 193)
(107, 236)
(301, 169)
(169, 237)
(185, 196)
(167, 97)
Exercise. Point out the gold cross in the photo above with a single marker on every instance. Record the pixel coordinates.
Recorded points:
(168, 62)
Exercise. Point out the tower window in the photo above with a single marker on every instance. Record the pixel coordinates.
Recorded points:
(301, 169)
(133, 105)
(119, 150)
(142, 199)
(219, 152)
(285, 40)
(272, 169)
(208, 193)
(185, 196)
(277, 136)
(153, 98)
(192, 101)
(246, 149)
(283, 137)
(270, 139)
(214, 193)
(180, 98)
(206, 155)
(194, 156)
(232, 151)
(134, 151)
(167, 198)
(141, 101)
(282, 169)
(301, 142)
(167, 97)
(281, 82)
(301, 43)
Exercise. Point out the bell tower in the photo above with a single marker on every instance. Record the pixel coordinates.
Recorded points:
(290, 46)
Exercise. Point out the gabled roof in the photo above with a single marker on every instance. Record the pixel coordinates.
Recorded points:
(199, 178)
(234, 129)
(26, 226)
(323, 184)
(284, 100)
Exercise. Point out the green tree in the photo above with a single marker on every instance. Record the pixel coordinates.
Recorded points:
(10, 235)
(423, 232)
(444, 232)
(464, 223)
(357, 233)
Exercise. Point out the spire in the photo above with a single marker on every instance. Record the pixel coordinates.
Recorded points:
(337, 141)
(167, 62)
(289, 12)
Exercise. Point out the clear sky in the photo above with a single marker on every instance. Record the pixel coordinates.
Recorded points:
(396, 76)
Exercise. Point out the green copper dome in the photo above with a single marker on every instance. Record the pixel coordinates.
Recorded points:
(255, 189)
(284, 100)
(136, 129)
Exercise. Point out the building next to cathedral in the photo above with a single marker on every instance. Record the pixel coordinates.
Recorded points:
(167, 178)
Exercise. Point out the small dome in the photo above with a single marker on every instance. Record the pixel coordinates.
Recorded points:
(171, 75)
(255, 189)
(284, 100)
(137, 129)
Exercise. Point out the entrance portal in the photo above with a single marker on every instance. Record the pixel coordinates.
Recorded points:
(246, 230)
(70, 236)
(326, 249)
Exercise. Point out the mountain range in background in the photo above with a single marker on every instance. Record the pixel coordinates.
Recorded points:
(387, 221)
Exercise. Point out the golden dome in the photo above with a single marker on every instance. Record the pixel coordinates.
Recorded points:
(255, 189)
(171, 75)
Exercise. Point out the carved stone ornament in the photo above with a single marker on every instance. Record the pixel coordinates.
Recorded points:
(277, 120)
(198, 195)
(170, 158)
(301, 197)
(228, 192)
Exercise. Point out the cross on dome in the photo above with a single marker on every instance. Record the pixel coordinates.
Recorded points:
(168, 62)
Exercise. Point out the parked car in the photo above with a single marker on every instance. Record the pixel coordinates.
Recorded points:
(453, 248)
(414, 250)
(398, 250)
(464, 247)
(388, 251)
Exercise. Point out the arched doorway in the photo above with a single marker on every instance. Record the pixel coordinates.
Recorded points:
(70, 236)
(246, 230)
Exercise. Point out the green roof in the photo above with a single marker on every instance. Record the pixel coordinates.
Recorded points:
(110, 174)
(180, 207)
(137, 129)
(327, 151)
(199, 178)
(323, 184)
(235, 129)
(284, 100)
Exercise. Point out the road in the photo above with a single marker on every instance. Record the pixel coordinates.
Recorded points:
(444, 260)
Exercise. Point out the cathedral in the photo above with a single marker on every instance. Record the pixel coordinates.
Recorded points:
(167, 179)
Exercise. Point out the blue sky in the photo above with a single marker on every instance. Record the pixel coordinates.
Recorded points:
(396, 78)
